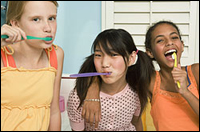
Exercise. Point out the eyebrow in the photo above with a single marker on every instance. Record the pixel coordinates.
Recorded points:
(52, 15)
(98, 50)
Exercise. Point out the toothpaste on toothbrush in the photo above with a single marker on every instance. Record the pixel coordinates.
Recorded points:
(174, 56)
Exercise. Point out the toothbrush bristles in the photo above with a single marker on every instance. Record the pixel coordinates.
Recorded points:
(173, 55)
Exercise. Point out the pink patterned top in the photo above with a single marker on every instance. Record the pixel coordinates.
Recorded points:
(116, 111)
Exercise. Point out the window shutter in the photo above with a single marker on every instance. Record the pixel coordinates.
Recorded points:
(137, 16)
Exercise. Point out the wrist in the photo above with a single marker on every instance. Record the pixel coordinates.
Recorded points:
(186, 93)
(95, 100)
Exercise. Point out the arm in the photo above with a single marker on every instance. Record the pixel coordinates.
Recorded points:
(181, 76)
(92, 109)
(137, 122)
(2, 65)
(191, 99)
(195, 71)
(55, 117)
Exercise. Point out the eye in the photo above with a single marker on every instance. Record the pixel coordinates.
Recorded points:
(36, 19)
(97, 55)
(159, 41)
(52, 18)
(114, 55)
(175, 37)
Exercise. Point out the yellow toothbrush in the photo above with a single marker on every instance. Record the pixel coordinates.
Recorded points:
(175, 65)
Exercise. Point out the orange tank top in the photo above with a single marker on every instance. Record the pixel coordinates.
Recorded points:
(170, 111)
(8, 59)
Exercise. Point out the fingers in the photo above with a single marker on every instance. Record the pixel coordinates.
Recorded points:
(87, 116)
(180, 76)
(83, 112)
(97, 119)
(15, 33)
(91, 118)
(91, 112)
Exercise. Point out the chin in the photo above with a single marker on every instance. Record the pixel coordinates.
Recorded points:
(47, 46)
(108, 81)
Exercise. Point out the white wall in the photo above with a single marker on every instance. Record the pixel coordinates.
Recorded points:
(66, 86)
(197, 37)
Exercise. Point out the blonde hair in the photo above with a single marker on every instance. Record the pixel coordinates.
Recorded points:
(16, 8)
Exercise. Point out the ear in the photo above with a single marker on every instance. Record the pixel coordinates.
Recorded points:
(14, 23)
(149, 53)
(182, 47)
(132, 58)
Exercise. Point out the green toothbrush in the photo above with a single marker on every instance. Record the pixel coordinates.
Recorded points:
(30, 37)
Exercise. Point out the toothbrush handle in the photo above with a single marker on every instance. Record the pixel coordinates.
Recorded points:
(88, 74)
(178, 84)
(4, 36)
(28, 37)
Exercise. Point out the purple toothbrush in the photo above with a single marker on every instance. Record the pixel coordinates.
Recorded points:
(87, 74)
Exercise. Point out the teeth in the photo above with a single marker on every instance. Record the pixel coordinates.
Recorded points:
(170, 51)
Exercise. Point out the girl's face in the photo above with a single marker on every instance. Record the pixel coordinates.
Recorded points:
(114, 64)
(165, 41)
(39, 20)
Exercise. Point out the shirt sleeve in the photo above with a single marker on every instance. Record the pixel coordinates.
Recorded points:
(74, 114)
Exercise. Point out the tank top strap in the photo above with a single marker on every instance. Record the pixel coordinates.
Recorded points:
(157, 83)
(190, 76)
(192, 82)
(6, 54)
(51, 53)
(156, 87)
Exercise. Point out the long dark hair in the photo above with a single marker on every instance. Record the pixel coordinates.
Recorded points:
(138, 76)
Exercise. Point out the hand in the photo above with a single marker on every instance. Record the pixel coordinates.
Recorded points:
(92, 112)
(15, 34)
(181, 76)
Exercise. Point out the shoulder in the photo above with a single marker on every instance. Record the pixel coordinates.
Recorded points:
(60, 56)
(73, 96)
(59, 52)
(195, 68)
(195, 71)
(73, 100)
(131, 95)
(131, 98)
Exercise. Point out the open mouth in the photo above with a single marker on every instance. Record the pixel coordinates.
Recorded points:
(169, 53)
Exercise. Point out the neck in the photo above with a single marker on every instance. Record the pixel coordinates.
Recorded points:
(29, 54)
(113, 88)
(167, 82)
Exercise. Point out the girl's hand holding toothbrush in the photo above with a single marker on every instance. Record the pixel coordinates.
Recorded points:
(180, 76)
(15, 34)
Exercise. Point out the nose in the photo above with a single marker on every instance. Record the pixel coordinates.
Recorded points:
(47, 27)
(169, 42)
(105, 62)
